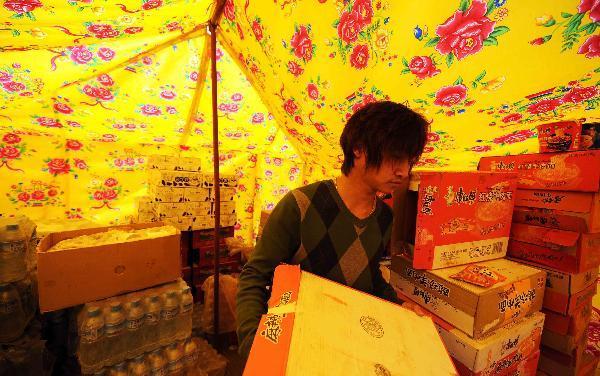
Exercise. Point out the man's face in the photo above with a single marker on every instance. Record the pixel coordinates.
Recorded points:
(390, 175)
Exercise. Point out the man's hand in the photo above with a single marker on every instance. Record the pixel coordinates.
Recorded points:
(415, 308)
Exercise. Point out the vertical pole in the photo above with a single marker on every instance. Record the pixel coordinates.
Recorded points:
(216, 188)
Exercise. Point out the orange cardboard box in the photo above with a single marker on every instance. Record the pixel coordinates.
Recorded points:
(523, 367)
(461, 217)
(317, 327)
(571, 325)
(473, 309)
(559, 137)
(568, 304)
(564, 344)
(578, 202)
(565, 251)
(572, 171)
(70, 277)
(555, 363)
(558, 219)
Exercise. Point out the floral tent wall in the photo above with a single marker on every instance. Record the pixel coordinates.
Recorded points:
(91, 88)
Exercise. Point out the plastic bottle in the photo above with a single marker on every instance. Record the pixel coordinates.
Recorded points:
(134, 323)
(114, 322)
(157, 363)
(119, 370)
(174, 354)
(152, 322)
(184, 322)
(91, 335)
(138, 367)
(191, 353)
(12, 317)
(12, 253)
(169, 315)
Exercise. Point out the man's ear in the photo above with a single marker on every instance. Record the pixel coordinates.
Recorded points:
(358, 153)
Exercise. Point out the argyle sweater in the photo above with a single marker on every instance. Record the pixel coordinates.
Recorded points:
(312, 227)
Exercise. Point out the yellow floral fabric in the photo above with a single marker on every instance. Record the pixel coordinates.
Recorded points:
(90, 88)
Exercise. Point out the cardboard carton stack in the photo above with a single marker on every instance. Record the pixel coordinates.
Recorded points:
(557, 229)
(451, 234)
(181, 195)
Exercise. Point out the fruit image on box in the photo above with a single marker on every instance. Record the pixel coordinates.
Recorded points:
(88, 270)
(456, 218)
(572, 171)
(579, 202)
(473, 309)
(310, 320)
(559, 136)
(558, 219)
(497, 352)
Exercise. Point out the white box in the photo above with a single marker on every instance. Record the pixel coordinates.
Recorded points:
(175, 179)
(166, 194)
(196, 194)
(229, 181)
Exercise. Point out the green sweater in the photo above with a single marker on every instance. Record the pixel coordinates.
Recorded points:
(312, 227)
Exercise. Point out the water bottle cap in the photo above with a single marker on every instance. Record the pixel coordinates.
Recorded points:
(115, 306)
(93, 311)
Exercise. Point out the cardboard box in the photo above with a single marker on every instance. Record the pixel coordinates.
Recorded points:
(227, 208)
(230, 181)
(572, 325)
(196, 209)
(175, 179)
(455, 218)
(227, 194)
(71, 277)
(558, 219)
(171, 163)
(574, 255)
(579, 202)
(144, 217)
(523, 367)
(499, 352)
(572, 171)
(568, 304)
(555, 363)
(317, 327)
(166, 194)
(559, 137)
(564, 344)
(197, 194)
(568, 283)
(473, 309)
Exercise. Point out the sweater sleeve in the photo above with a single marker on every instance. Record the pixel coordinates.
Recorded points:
(279, 241)
(381, 288)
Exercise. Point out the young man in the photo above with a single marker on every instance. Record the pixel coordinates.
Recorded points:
(338, 228)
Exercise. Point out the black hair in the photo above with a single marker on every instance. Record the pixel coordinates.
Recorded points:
(383, 130)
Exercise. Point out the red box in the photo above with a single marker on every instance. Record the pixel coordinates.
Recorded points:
(573, 171)
(568, 304)
(573, 325)
(558, 219)
(461, 218)
(565, 251)
(578, 202)
(559, 137)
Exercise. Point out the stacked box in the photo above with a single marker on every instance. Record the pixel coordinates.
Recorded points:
(556, 227)
(454, 218)
(512, 348)
(182, 196)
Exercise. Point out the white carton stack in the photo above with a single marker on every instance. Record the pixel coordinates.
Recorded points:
(179, 194)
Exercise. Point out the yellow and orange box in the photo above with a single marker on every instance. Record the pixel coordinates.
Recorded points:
(580, 363)
(473, 309)
(565, 251)
(571, 171)
(558, 219)
(456, 218)
(500, 352)
(559, 136)
(314, 326)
